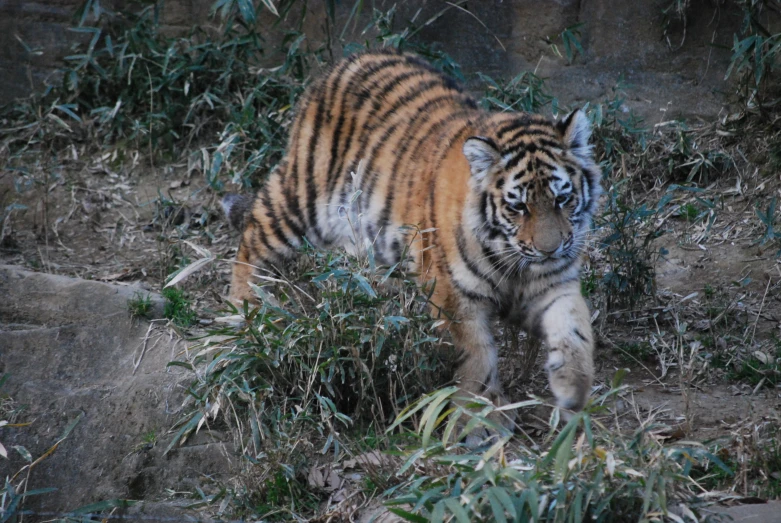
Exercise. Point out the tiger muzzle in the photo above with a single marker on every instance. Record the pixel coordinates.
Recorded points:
(549, 234)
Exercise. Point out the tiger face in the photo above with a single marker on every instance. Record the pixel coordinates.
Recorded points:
(537, 185)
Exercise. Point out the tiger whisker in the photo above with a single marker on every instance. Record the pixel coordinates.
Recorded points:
(502, 263)
(508, 271)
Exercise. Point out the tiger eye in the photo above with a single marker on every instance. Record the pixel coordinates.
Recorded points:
(519, 207)
(562, 199)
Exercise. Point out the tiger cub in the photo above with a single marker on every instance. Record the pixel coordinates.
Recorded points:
(507, 199)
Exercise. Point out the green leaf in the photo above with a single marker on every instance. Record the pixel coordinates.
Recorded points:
(438, 514)
(72, 425)
(564, 452)
(68, 109)
(270, 6)
(39, 491)
(457, 510)
(618, 378)
(431, 417)
(504, 498)
(24, 453)
(185, 428)
(412, 409)
(497, 509)
(567, 433)
(411, 460)
(180, 364)
(408, 515)
(247, 11)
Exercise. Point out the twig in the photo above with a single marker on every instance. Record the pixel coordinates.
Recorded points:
(470, 13)
(761, 305)
(144, 344)
(615, 346)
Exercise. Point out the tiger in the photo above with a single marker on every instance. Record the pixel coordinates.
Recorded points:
(387, 152)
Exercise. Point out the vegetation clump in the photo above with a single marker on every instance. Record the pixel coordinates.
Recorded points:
(585, 472)
(178, 307)
(140, 305)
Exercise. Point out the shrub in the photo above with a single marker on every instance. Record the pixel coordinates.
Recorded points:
(338, 347)
(585, 471)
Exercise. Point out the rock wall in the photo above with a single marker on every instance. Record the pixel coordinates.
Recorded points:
(678, 75)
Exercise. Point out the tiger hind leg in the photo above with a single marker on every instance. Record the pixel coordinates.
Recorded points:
(243, 271)
(255, 253)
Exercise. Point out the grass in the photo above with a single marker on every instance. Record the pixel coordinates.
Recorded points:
(140, 305)
(754, 456)
(340, 348)
(350, 331)
(15, 489)
(757, 369)
(334, 353)
(178, 307)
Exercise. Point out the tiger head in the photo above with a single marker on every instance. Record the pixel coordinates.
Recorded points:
(534, 184)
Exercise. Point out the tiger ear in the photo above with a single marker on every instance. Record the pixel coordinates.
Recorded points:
(482, 154)
(575, 130)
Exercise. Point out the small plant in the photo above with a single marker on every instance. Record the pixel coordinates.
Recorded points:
(335, 350)
(129, 88)
(570, 39)
(583, 472)
(754, 453)
(674, 16)
(178, 307)
(686, 161)
(280, 489)
(617, 132)
(756, 55)
(689, 212)
(768, 220)
(388, 35)
(589, 281)
(629, 233)
(140, 305)
(525, 92)
(148, 441)
(758, 369)
(14, 491)
(634, 352)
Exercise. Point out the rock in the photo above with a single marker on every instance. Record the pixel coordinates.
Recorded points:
(69, 348)
(765, 512)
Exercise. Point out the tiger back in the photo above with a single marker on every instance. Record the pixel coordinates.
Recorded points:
(384, 146)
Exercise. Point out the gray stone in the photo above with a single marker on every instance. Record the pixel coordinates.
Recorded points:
(70, 348)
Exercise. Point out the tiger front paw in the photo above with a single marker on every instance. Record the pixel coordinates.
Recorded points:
(570, 379)
(501, 420)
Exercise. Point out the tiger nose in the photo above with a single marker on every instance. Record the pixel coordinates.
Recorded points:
(547, 246)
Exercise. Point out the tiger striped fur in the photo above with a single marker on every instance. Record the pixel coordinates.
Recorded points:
(507, 199)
